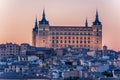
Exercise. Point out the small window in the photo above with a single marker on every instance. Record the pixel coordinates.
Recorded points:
(69, 41)
(56, 41)
(57, 33)
(53, 33)
(61, 41)
(77, 33)
(65, 37)
(73, 41)
(76, 41)
(69, 33)
(80, 41)
(69, 37)
(52, 41)
(73, 33)
(88, 41)
(65, 41)
(65, 33)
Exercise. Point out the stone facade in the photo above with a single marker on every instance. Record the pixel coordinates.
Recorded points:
(89, 37)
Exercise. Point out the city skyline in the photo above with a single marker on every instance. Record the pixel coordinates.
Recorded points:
(18, 17)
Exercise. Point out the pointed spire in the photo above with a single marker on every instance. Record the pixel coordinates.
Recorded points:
(97, 16)
(86, 23)
(44, 21)
(36, 25)
(97, 22)
(36, 22)
(43, 13)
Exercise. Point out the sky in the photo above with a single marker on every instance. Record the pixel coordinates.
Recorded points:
(17, 17)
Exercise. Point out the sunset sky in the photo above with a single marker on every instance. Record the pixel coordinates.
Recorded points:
(17, 17)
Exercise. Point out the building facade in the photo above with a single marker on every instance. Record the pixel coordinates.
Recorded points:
(9, 49)
(45, 35)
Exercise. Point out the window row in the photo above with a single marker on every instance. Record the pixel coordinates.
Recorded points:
(65, 41)
(79, 46)
(70, 37)
(70, 33)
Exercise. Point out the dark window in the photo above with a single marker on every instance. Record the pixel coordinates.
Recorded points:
(69, 41)
(76, 41)
(61, 41)
(65, 33)
(69, 33)
(88, 33)
(65, 41)
(97, 34)
(65, 37)
(77, 33)
(73, 41)
(88, 41)
(80, 41)
(56, 41)
(77, 37)
(57, 37)
(52, 41)
(53, 37)
(73, 33)
(43, 40)
(97, 41)
(53, 33)
(61, 33)
(57, 33)
(69, 37)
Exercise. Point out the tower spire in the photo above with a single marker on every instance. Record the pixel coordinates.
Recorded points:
(44, 21)
(97, 16)
(44, 14)
(36, 22)
(86, 23)
(97, 22)
(36, 25)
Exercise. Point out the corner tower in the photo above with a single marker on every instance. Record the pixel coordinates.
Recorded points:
(35, 33)
(43, 32)
(97, 33)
